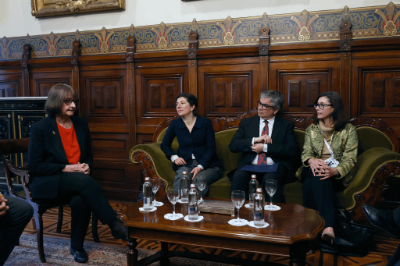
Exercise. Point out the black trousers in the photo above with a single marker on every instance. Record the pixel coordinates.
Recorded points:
(320, 195)
(241, 179)
(12, 224)
(84, 195)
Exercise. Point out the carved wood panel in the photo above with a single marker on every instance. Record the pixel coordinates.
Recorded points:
(11, 84)
(228, 90)
(105, 93)
(110, 145)
(41, 80)
(301, 83)
(380, 91)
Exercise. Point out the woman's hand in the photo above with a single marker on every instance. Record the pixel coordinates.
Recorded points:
(317, 166)
(77, 168)
(179, 161)
(195, 171)
(329, 172)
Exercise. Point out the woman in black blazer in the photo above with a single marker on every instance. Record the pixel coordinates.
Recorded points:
(196, 137)
(59, 163)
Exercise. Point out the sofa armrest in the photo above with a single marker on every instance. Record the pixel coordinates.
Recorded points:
(154, 162)
(373, 168)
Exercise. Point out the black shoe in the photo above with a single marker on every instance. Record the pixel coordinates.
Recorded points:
(375, 217)
(79, 255)
(118, 230)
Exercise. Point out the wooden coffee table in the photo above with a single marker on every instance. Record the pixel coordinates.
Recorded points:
(290, 233)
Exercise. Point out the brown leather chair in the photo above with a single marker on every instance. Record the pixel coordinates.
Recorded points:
(40, 206)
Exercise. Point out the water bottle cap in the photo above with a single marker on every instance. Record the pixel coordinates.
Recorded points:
(192, 186)
(253, 176)
(259, 190)
(184, 173)
(147, 179)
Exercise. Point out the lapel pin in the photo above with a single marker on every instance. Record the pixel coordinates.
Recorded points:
(54, 133)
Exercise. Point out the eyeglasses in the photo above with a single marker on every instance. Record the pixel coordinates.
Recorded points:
(265, 106)
(321, 105)
(69, 101)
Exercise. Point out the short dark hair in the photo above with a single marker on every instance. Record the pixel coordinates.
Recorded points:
(275, 97)
(339, 115)
(192, 100)
(55, 99)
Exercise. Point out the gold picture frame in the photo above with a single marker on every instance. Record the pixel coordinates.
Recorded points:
(51, 8)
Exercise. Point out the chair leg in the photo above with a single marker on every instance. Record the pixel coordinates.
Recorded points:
(60, 218)
(39, 232)
(94, 228)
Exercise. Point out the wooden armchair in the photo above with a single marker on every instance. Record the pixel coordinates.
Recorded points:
(40, 206)
(378, 161)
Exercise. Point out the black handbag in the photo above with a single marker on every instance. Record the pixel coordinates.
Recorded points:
(351, 239)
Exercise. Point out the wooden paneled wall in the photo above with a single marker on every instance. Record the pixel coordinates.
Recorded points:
(125, 96)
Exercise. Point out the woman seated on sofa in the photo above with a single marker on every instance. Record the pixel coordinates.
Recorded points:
(329, 154)
(60, 161)
(196, 137)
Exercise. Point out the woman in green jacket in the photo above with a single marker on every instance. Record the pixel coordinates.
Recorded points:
(329, 154)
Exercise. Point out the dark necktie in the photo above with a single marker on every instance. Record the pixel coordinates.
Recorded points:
(262, 159)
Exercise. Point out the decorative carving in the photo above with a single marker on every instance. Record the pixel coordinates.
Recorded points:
(345, 31)
(132, 30)
(193, 45)
(229, 30)
(5, 48)
(25, 56)
(104, 44)
(77, 35)
(75, 52)
(162, 36)
(194, 25)
(43, 8)
(264, 41)
(52, 43)
(130, 49)
(304, 26)
(390, 24)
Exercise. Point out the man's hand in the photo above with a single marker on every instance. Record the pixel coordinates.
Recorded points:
(257, 148)
(259, 140)
(179, 161)
(3, 206)
(195, 171)
(267, 139)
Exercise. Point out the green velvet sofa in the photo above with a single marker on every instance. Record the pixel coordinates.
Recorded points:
(378, 160)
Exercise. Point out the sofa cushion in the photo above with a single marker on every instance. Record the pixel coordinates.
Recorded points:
(366, 134)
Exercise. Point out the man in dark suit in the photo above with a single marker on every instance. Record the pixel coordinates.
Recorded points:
(15, 214)
(265, 139)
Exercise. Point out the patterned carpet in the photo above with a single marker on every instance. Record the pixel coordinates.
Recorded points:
(385, 247)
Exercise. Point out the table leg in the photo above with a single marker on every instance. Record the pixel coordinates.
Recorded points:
(133, 253)
(298, 254)
(164, 261)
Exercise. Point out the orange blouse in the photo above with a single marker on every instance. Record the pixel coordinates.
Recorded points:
(70, 144)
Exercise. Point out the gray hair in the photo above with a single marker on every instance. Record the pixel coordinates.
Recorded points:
(55, 99)
(275, 97)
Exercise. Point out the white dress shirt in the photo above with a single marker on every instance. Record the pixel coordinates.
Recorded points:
(265, 149)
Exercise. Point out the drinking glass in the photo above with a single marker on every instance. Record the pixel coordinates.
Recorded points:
(238, 197)
(155, 182)
(201, 183)
(173, 195)
(270, 186)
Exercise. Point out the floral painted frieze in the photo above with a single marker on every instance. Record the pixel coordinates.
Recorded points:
(304, 25)
(229, 30)
(162, 35)
(390, 23)
(367, 22)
